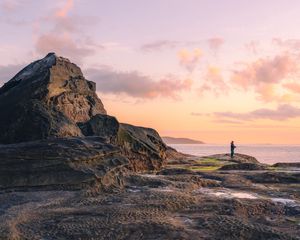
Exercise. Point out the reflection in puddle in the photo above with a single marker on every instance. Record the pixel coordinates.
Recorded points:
(164, 189)
(285, 201)
(134, 189)
(228, 193)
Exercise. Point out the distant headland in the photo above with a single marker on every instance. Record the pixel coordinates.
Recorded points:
(174, 140)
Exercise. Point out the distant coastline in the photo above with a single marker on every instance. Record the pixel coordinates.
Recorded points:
(174, 140)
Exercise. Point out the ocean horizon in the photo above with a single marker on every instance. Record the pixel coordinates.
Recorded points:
(265, 153)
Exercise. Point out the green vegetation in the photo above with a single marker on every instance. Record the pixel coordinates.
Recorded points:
(203, 168)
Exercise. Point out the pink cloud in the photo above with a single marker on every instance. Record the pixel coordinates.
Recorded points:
(294, 87)
(67, 35)
(252, 46)
(283, 112)
(215, 43)
(263, 75)
(63, 45)
(62, 12)
(189, 59)
(137, 85)
(214, 82)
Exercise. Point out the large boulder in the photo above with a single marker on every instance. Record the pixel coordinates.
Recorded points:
(142, 146)
(46, 99)
(101, 125)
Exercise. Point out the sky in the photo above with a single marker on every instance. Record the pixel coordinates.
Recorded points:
(210, 70)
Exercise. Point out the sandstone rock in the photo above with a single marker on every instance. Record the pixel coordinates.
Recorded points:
(101, 125)
(47, 98)
(61, 134)
(243, 166)
(62, 163)
(238, 158)
(143, 146)
(287, 165)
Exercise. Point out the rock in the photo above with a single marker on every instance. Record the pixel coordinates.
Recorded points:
(62, 163)
(276, 177)
(243, 166)
(46, 99)
(143, 146)
(101, 125)
(287, 165)
(238, 158)
(66, 137)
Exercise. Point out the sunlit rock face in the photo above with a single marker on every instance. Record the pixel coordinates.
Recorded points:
(55, 133)
(46, 99)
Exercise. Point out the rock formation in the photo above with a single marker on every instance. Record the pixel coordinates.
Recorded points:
(46, 99)
(60, 135)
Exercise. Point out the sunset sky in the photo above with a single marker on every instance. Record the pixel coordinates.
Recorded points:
(205, 69)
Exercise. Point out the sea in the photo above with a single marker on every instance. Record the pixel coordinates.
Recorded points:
(265, 153)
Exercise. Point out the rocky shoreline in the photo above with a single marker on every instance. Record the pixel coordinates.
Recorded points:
(70, 171)
(176, 202)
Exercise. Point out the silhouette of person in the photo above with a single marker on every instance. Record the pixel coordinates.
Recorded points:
(232, 147)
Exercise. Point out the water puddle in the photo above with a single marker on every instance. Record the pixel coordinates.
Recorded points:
(164, 189)
(285, 201)
(150, 175)
(134, 189)
(228, 193)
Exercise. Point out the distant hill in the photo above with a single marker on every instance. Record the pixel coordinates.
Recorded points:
(173, 140)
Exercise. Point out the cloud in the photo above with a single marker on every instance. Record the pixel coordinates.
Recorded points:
(8, 72)
(215, 43)
(159, 45)
(283, 112)
(294, 87)
(189, 59)
(287, 44)
(252, 46)
(264, 74)
(167, 44)
(63, 45)
(62, 12)
(66, 35)
(135, 84)
(9, 5)
(214, 82)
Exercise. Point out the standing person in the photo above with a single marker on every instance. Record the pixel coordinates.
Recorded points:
(232, 147)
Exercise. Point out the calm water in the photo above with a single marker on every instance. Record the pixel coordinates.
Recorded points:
(264, 153)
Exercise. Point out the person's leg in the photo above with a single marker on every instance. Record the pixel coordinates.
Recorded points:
(232, 153)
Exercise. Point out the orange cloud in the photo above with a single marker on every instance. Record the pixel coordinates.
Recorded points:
(65, 9)
(294, 87)
(189, 59)
(214, 81)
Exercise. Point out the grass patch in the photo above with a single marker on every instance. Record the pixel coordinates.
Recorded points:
(204, 168)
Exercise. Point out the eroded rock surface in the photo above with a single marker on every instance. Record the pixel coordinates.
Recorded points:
(72, 163)
(46, 99)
